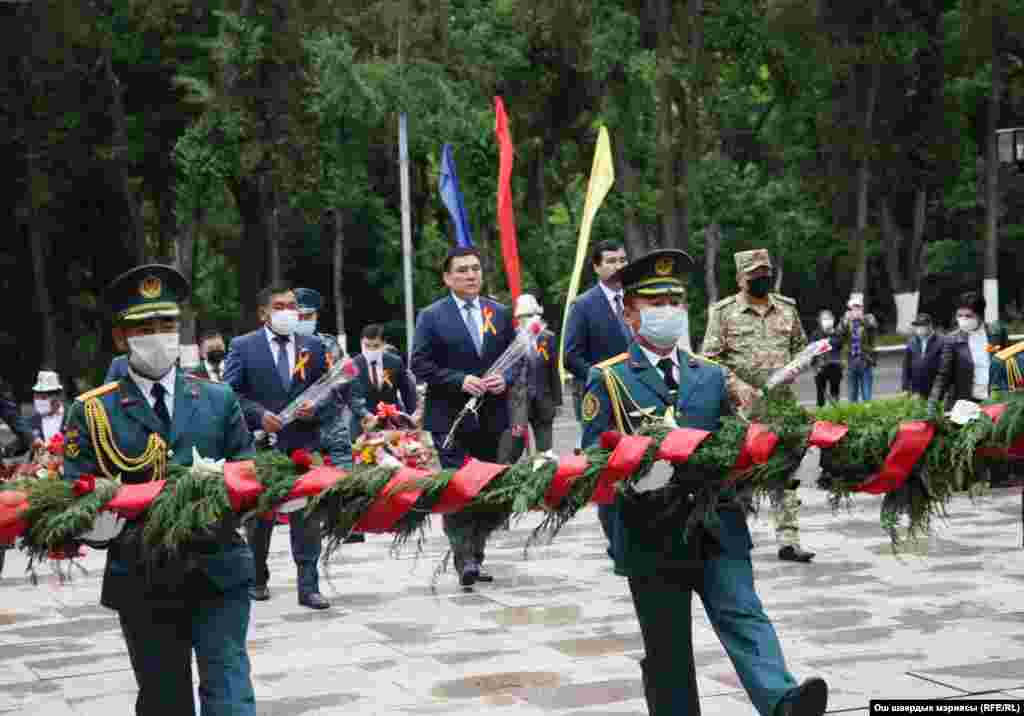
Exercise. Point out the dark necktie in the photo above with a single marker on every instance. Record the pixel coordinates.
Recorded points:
(474, 327)
(160, 405)
(666, 365)
(620, 314)
(282, 361)
(376, 375)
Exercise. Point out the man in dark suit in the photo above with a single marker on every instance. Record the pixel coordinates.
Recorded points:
(130, 429)
(382, 379)
(457, 339)
(596, 329)
(921, 359)
(10, 413)
(268, 369)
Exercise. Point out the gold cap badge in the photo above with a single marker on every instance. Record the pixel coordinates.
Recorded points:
(664, 266)
(151, 287)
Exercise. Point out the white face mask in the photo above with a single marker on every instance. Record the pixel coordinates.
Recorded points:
(306, 327)
(922, 331)
(284, 323)
(827, 324)
(42, 406)
(967, 325)
(373, 356)
(663, 326)
(154, 355)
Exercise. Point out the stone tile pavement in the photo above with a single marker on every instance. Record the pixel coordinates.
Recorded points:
(555, 634)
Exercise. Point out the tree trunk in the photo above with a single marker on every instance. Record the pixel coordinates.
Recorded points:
(184, 255)
(626, 176)
(712, 245)
(119, 155)
(253, 274)
(38, 245)
(991, 267)
(903, 259)
(860, 278)
(339, 286)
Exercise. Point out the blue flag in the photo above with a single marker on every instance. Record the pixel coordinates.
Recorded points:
(452, 197)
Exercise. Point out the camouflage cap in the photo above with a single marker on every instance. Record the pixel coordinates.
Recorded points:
(747, 261)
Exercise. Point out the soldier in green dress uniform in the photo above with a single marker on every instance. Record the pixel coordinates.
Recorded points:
(132, 429)
(646, 523)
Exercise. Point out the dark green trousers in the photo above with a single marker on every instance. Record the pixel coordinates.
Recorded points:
(663, 607)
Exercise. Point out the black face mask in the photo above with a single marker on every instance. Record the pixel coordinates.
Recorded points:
(215, 357)
(759, 287)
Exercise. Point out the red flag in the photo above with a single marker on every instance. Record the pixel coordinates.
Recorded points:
(506, 221)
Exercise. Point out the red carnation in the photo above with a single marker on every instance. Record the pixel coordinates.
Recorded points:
(609, 439)
(535, 328)
(349, 368)
(469, 459)
(56, 444)
(328, 461)
(387, 410)
(84, 485)
(302, 459)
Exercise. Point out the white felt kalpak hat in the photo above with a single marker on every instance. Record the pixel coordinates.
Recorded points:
(47, 382)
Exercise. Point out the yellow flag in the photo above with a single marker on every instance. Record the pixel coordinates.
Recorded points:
(602, 176)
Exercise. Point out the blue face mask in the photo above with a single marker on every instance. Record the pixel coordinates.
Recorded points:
(663, 326)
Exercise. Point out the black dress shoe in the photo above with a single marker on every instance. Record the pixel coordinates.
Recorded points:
(482, 576)
(790, 553)
(808, 699)
(259, 593)
(314, 601)
(469, 575)
(354, 538)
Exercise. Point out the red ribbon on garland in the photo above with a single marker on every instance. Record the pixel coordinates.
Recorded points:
(624, 460)
(12, 504)
(466, 484)
(568, 471)
(911, 441)
(679, 444)
(389, 507)
(825, 434)
(757, 447)
(132, 500)
(242, 485)
(314, 482)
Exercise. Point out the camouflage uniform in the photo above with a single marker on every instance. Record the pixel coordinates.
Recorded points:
(757, 339)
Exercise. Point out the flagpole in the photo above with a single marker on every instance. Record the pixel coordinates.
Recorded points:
(403, 161)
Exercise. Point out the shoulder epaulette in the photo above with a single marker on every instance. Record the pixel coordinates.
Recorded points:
(1010, 351)
(724, 302)
(614, 360)
(784, 299)
(698, 356)
(97, 392)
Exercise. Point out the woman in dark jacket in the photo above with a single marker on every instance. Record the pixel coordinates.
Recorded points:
(965, 365)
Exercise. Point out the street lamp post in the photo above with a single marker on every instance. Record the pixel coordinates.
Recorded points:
(1011, 146)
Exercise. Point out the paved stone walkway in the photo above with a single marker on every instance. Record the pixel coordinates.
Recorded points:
(555, 634)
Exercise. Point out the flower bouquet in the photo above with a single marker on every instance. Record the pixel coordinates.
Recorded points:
(524, 344)
(340, 373)
(394, 442)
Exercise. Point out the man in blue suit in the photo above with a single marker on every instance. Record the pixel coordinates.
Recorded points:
(457, 339)
(596, 329)
(130, 429)
(382, 379)
(268, 368)
(652, 380)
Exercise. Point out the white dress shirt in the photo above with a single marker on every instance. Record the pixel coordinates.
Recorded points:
(477, 314)
(146, 386)
(215, 373)
(977, 341)
(611, 295)
(654, 359)
(52, 424)
(275, 349)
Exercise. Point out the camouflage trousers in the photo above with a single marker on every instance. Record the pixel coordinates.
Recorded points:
(785, 509)
(336, 441)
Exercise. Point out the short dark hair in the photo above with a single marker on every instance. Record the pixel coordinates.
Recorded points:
(210, 333)
(373, 331)
(264, 297)
(972, 300)
(597, 254)
(457, 252)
